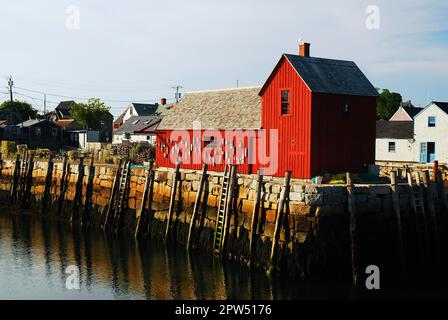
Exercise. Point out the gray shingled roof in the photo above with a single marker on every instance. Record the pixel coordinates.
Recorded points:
(29, 123)
(442, 105)
(332, 76)
(145, 109)
(412, 111)
(132, 125)
(394, 129)
(218, 109)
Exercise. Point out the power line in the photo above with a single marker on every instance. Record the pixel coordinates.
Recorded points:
(85, 98)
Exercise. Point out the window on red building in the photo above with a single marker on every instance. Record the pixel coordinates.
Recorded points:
(284, 102)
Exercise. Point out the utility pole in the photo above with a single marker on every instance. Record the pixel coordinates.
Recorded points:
(45, 104)
(10, 84)
(177, 92)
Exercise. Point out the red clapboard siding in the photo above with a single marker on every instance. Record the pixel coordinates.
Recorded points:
(294, 129)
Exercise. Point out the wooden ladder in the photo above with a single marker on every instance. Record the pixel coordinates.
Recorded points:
(123, 189)
(222, 210)
(419, 209)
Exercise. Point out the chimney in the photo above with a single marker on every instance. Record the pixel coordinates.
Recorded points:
(304, 49)
(163, 101)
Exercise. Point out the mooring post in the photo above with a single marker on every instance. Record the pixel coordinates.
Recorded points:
(63, 183)
(141, 212)
(254, 222)
(435, 169)
(279, 217)
(396, 205)
(112, 196)
(89, 192)
(77, 201)
(441, 188)
(1, 164)
(27, 182)
(15, 180)
(353, 229)
(430, 202)
(48, 180)
(172, 200)
(197, 203)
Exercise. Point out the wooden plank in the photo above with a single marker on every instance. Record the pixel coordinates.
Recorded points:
(63, 184)
(78, 192)
(15, 180)
(254, 221)
(396, 206)
(353, 227)
(172, 201)
(279, 217)
(27, 182)
(140, 215)
(197, 203)
(441, 190)
(112, 196)
(85, 219)
(48, 180)
(430, 203)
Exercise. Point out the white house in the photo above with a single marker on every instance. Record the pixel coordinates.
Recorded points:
(431, 133)
(395, 141)
(137, 129)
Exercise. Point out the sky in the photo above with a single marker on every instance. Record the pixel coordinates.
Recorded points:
(123, 51)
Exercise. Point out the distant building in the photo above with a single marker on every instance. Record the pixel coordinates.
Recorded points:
(405, 113)
(61, 112)
(40, 133)
(138, 129)
(395, 141)
(431, 132)
(142, 110)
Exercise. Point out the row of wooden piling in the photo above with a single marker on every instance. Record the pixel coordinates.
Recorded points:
(421, 198)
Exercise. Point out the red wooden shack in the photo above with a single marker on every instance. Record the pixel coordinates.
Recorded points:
(312, 116)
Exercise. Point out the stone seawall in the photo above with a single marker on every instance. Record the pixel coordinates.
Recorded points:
(314, 236)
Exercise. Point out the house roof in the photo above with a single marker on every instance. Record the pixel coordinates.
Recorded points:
(64, 108)
(216, 109)
(145, 109)
(30, 123)
(394, 129)
(442, 105)
(412, 111)
(137, 124)
(329, 76)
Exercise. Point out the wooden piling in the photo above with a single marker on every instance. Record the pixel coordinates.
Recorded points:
(15, 181)
(396, 206)
(112, 196)
(172, 200)
(430, 203)
(85, 219)
(435, 169)
(284, 196)
(63, 184)
(141, 212)
(353, 229)
(197, 203)
(441, 190)
(48, 180)
(254, 222)
(27, 182)
(1, 164)
(77, 201)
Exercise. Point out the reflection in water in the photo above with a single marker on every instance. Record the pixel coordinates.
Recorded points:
(34, 254)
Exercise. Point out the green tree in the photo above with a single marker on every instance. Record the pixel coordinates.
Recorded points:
(17, 110)
(93, 115)
(387, 104)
